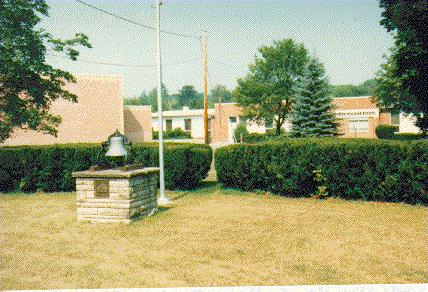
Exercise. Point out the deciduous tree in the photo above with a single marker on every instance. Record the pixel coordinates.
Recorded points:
(151, 99)
(364, 89)
(220, 93)
(403, 80)
(188, 96)
(269, 89)
(28, 85)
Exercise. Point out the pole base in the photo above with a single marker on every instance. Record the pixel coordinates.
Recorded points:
(163, 201)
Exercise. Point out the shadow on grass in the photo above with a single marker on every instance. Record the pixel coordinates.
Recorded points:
(209, 184)
(162, 209)
(179, 195)
(37, 193)
(206, 187)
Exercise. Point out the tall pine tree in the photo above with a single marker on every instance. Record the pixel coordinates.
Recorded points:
(313, 114)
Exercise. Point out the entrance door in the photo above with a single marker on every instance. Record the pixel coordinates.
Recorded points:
(233, 123)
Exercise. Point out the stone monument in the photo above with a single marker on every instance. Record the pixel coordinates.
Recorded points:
(116, 194)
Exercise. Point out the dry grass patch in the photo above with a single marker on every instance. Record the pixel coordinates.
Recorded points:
(213, 237)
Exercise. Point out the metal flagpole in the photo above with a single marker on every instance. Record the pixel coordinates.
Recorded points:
(162, 200)
(205, 90)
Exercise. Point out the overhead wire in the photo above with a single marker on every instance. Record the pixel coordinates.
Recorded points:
(223, 64)
(137, 23)
(120, 64)
(147, 27)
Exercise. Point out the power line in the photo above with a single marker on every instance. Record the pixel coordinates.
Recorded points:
(137, 23)
(223, 64)
(120, 64)
(209, 78)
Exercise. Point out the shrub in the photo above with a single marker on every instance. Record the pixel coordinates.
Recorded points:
(272, 132)
(270, 135)
(321, 191)
(247, 137)
(177, 133)
(386, 131)
(240, 133)
(281, 137)
(408, 136)
(255, 138)
(49, 168)
(364, 169)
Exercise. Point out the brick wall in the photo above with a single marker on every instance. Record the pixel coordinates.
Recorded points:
(220, 121)
(96, 115)
(138, 123)
(222, 112)
(360, 103)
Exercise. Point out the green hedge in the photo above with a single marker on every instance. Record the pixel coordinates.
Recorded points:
(49, 168)
(255, 138)
(177, 133)
(386, 131)
(270, 135)
(408, 136)
(377, 170)
(390, 132)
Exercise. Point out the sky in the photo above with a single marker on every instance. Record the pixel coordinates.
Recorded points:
(345, 35)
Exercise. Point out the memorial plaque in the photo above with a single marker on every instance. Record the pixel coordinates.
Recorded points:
(101, 188)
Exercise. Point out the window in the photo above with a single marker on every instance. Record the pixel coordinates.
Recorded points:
(232, 119)
(168, 124)
(269, 124)
(361, 125)
(209, 124)
(395, 119)
(188, 125)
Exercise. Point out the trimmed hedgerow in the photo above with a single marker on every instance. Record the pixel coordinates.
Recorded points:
(408, 136)
(177, 133)
(386, 131)
(375, 170)
(390, 132)
(49, 168)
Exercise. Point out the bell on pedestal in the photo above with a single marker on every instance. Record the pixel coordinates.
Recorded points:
(116, 146)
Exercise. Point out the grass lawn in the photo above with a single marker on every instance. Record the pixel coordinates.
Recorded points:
(213, 237)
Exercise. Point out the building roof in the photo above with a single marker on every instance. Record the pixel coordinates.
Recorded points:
(341, 103)
(99, 78)
(185, 112)
(140, 107)
(345, 106)
(354, 102)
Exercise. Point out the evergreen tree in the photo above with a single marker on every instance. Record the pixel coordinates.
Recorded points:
(313, 114)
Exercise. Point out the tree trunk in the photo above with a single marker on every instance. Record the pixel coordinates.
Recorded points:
(278, 128)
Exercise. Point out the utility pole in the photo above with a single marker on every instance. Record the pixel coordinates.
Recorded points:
(162, 200)
(206, 90)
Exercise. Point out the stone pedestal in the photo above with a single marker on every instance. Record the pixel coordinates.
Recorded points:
(114, 195)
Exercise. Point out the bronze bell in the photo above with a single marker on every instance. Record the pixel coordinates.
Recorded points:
(116, 146)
